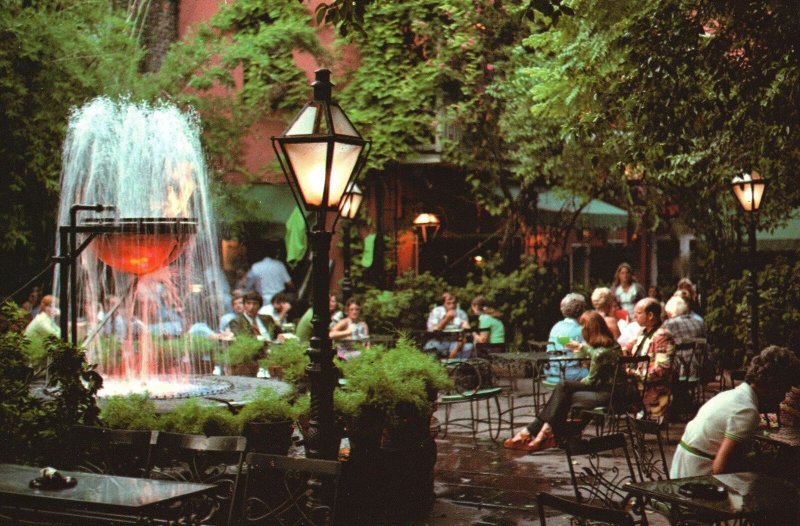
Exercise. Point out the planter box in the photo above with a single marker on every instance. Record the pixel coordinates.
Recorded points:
(249, 369)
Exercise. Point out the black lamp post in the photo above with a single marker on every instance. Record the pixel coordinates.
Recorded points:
(320, 154)
(749, 189)
(350, 205)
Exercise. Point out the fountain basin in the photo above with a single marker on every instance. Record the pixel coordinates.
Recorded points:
(140, 245)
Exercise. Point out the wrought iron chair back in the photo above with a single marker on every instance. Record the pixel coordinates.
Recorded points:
(473, 385)
(277, 491)
(651, 461)
(581, 514)
(596, 479)
(626, 394)
(690, 362)
(110, 451)
(209, 460)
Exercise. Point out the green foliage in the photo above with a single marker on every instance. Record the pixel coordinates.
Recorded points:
(387, 378)
(268, 406)
(527, 297)
(243, 350)
(779, 320)
(194, 418)
(134, 411)
(34, 424)
(406, 307)
(291, 355)
(54, 56)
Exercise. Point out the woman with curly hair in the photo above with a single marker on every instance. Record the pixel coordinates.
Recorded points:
(715, 441)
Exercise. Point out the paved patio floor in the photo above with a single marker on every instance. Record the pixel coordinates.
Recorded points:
(480, 483)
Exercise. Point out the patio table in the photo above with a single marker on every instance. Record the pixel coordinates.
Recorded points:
(788, 437)
(95, 498)
(753, 498)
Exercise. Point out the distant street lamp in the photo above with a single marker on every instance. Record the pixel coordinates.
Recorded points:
(749, 189)
(428, 225)
(320, 154)
(350, 205)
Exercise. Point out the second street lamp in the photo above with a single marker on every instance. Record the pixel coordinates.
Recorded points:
(350, 205)
(320, 154)
(749, 189)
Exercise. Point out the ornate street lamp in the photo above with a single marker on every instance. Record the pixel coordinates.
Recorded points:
(350, 205)
(320, 154)
(749, 189)
(428, 225)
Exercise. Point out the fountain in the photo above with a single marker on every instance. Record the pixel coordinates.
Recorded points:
(150, 269)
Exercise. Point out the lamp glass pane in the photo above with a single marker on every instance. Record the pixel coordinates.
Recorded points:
(345, 157)
(341, 124)
(351, 204)
(304, 124)
(307, 162)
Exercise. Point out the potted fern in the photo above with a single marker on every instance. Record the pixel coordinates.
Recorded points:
(241, 356)
(267, 422)
(386, 403)
(397, 386)
(287, 361)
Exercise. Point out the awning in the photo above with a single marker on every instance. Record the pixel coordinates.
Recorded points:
(556, 203)
(270, 204)
(786, 237)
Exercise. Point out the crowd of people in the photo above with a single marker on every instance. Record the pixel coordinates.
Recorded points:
(621, 320)
(625, 321)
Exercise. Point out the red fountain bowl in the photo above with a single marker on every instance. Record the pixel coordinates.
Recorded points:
(141, 245)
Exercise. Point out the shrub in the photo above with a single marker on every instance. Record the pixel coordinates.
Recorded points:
(134, 411)
(33, 426)
(192, 417)
(291, 355)
(779, 319)
(267, 406)
(387, 378)
(243, 350)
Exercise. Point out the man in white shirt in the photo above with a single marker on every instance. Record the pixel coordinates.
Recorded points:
(268, 277)
(450, 318)
(278, 308)
(715, 440)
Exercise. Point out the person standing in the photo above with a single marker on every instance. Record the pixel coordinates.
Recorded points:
(268, 277)
(715, 440)
(625, 287)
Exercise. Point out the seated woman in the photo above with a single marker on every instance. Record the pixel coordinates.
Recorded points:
(595, 388)
(490, 328)
(349, 330)
(604, 301)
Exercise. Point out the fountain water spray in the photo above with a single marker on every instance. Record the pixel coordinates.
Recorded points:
(152, 269)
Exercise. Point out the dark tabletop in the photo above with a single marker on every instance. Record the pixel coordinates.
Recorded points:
(784, 436)
(100, 492)
(749, 494)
